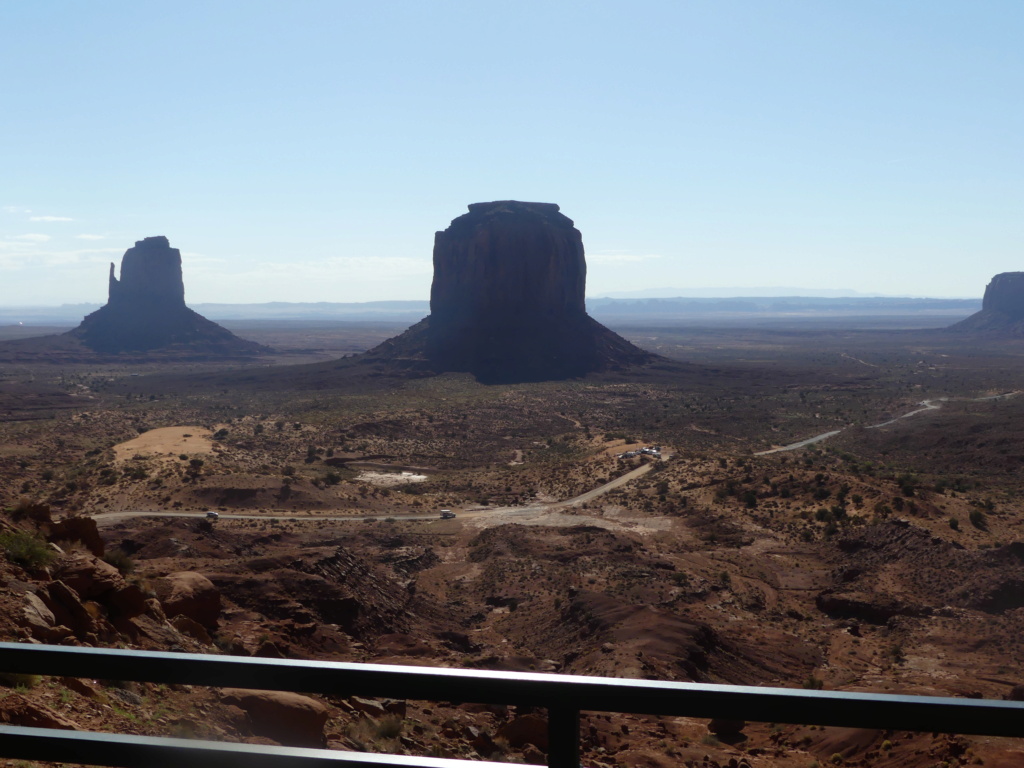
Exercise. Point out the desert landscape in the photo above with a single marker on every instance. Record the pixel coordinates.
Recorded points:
(674, 346)
(831, 509)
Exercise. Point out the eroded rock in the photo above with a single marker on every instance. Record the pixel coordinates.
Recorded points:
(507, 301)
(146, 309)
(16, 709)
(289, 718)
(89, 576)
(189, 594)
(77, 529)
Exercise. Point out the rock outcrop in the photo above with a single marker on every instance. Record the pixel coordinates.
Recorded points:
(189, 594)
(1002, 309)
(146, 309)
(288, 718)
(507, 301)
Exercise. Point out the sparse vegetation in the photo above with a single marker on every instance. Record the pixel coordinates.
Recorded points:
(26, 549)
(117, 558)
(677, 573)
(19, 680)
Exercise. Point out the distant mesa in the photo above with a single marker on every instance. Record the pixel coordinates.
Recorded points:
(146, 310)
(1002, 309)
(507, 302)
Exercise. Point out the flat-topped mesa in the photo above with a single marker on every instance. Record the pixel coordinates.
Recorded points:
(1005, 294)
(146, 311)
(1002, 309)
(508, 258)
(508, 301)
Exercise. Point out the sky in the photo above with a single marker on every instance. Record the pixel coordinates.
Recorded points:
(308, 151)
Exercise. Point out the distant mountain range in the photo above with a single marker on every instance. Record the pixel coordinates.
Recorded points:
(719, 293)
(638, 309)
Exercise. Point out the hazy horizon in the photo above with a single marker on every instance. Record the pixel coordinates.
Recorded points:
(652, 293)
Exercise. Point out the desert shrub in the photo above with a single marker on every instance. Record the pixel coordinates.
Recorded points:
(136, 473)
(19, 680)
(813, 683)
(120, 560)
(26, 550)
(954, 524)
(978, 519)
(28, 509)
(389, 727)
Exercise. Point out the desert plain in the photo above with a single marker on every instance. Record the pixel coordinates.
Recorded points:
(886, 557)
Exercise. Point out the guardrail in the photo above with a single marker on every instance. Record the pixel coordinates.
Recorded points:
(564, 696)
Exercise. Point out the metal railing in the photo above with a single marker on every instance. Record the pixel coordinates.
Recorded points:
(564, 696)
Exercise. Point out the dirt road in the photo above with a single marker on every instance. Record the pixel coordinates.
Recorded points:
(109, 518)
(929, 405)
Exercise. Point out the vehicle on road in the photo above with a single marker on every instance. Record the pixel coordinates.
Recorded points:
(212, 515)
(447, 514)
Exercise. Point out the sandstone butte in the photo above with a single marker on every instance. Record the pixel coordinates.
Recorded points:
(146, 311)
(507, 302)
(1002, 309)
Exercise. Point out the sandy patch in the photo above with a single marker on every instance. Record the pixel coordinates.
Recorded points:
(387, 479)
(166, 441)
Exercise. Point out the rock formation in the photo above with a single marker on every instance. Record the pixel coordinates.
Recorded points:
(146, 309)
(1002, 309)
(507, 302)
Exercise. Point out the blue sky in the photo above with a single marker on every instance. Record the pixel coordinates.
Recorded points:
(308, 151)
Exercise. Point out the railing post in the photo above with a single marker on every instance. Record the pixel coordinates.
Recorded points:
(563, 737)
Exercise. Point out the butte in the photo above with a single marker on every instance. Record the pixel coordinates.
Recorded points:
(146, 311)
(507, 302)
(1002, 309)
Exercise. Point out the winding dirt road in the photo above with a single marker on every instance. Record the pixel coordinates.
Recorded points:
(110, 518)
(928, 405)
